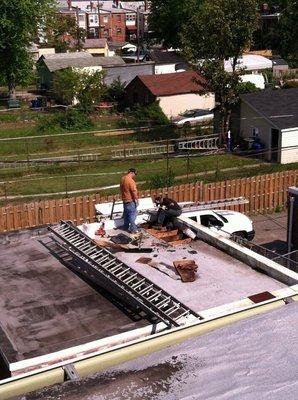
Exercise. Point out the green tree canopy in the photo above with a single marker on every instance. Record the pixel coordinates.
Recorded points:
(220, 30)
(19, 20)
(209, 32)
(167, 18)
(288, 32)
(62, 32)
(88, 88)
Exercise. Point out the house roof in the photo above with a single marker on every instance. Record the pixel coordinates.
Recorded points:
(63, 63)
(166, 57)
(68, 56)
(175, 83)
(95, 43)
(279, 106)
(251, 62)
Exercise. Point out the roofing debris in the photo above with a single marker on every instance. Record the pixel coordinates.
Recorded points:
(186, 269)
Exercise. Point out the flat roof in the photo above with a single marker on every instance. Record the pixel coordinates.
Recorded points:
(220, 279)
(252, 359)
(45, 307)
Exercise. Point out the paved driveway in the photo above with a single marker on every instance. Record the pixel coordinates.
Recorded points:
(271, 231)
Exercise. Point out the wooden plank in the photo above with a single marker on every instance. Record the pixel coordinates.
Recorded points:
(270, 193)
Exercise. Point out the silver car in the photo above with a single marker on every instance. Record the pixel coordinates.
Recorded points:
(193, 117)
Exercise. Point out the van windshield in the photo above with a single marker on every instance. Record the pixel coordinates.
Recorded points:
(221, 217)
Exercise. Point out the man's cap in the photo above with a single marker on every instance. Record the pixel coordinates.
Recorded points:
(133, 170)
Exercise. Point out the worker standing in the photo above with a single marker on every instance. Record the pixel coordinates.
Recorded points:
(129, 194)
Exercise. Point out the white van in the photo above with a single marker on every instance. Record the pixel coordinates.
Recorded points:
(230, 222)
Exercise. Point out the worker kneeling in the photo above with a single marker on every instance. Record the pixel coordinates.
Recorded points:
(168, 210)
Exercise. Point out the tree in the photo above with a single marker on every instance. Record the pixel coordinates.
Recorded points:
(220, 30)
(63, 33)
(288, 32)
(166, 20)
(19, 20)
(87, 88)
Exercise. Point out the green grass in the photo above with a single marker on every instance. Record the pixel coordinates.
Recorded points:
(53, 177)
(77, 144)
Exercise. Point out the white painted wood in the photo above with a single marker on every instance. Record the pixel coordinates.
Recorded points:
(289, 153)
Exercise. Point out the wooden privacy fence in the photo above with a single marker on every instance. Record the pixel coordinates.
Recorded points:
(265, 193)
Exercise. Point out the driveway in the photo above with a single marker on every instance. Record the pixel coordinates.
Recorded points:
(271, 231)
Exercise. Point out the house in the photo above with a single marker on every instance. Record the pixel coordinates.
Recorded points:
(127, 72)
(36, 51)
(167, 62)
(49, 64)
(271, 115)
(112, 24)
(96, 47)
(176, 92)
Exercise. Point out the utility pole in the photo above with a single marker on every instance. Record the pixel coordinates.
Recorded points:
(138, 34)
(78, 28)
(98, 10)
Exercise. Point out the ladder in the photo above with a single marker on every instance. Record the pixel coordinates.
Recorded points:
(210, 142)
(105, 269)
(208, 205)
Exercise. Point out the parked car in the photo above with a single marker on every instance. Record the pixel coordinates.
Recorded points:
(229, 222)
(193, 117)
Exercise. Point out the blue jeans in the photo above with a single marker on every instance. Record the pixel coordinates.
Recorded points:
(130, 215)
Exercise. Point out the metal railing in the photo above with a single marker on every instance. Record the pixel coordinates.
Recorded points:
(286, 260)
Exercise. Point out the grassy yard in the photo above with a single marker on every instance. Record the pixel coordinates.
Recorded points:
(53, 179)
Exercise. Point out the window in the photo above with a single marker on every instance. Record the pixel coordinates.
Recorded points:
(130, 17)
(210, 220)
(118, 17)
(93, 19)
(105, 19)
(119, 30)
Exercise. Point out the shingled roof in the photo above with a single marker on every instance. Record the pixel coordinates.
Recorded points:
(279, 106)
(175, 83)
(166, 57)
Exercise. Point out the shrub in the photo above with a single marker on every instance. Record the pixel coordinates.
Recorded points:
(72, 119)
(290, 84)
(116, 93)
(75, 119)
(161, 180)
(151, 112)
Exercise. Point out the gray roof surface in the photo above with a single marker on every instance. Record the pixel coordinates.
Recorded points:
(280, 106)
(62, 63)
(94, 43)
(254, 359)
(45, 307)
(166, 57)
(68, 56)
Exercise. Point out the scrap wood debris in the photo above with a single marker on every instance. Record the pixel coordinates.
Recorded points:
(162, 267)
(172, 237)
(186, 269)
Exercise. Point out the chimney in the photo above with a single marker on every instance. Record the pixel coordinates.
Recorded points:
(69, 3)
